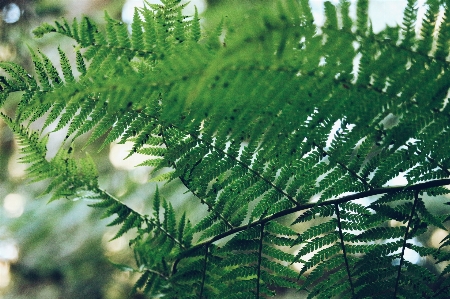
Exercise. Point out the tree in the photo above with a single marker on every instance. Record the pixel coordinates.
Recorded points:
(277, 130)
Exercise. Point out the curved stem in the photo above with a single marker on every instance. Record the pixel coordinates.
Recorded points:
(143, 217)
(186, 184)
(435, 162)
(258, 269)
(210, 207)
(343, 166)
(405, 239)
(205, 263)
(255, 173)
(417, 187)
(344, 252)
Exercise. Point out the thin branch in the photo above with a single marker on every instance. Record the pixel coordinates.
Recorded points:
(442, 167)
(210, 207)
(344, 252)
(405, 239)
(258, 269)
(186, 183)
(157, 273)
(255, 173)
(388, 190)
(145, 219)
(346, 168)
(205, 261)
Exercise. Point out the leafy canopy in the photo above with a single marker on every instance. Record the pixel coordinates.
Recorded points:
(278, 129)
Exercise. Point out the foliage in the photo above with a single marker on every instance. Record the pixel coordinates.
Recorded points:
(256, 126)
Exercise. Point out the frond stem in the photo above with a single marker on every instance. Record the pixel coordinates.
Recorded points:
(205, 262)
(405, 239)
(344, 252)
(186, 183)
(255, 173)
(145, 219)
(346, 168)
(258, 269)
(417, 187)
(157, 273)
(210, 207)
(442, 167)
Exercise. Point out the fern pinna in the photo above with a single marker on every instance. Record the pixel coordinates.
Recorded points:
(279, 130)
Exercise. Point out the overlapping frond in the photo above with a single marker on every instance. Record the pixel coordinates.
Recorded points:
(158, 262)
(69, 178)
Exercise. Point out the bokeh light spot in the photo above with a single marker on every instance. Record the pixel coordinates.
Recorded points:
(11, 13)
(14, 205)
(9, 251)
(437, 236)
(5, 276)
(115, 245)
(118, 153)
(16, 170)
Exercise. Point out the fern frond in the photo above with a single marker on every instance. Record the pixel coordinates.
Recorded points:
(68, 176)
(41, 72)
(96, 112)
(136, 31)
(362, 9)
(195, 27)
(410, 15)
(65, 66)
(117, 33)
(279, 120)
(428, 26)
(22, 80)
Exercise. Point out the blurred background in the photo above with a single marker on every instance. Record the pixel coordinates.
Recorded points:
(62, 249)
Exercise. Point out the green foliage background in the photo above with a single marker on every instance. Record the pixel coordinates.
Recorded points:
(57, 258)
(274, 129)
